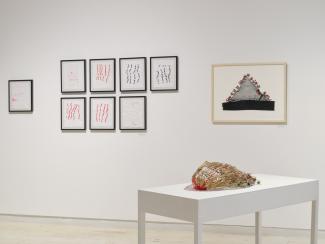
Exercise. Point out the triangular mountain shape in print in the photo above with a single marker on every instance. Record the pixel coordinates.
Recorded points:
(248, 96)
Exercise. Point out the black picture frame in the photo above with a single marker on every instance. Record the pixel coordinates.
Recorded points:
(84, 110)
(90, 75)
(144, 74)
(145, 113)
(90, 114)
(31, 96)
(62, 62)
(176, 74)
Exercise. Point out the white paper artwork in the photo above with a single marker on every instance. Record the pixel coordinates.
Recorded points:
(133, 74)
(73, 76)
(20, 95)
(73, 113)
(102, 113)
(164, 72)
(133, 113)
(102, 75)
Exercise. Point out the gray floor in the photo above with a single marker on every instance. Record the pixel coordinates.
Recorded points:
(34, 230)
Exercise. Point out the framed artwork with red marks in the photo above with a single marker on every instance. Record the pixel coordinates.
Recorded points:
(102, 113)
(73, 76)
(73, 113)
(20, 95)
(102, 75)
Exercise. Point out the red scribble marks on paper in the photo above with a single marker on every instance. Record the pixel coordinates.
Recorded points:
(73, 111)
(103, 72)
(14, 99)
(102, 113)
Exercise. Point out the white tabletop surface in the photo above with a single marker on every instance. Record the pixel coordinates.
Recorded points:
(266, 182)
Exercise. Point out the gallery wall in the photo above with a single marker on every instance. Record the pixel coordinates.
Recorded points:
(44, 171)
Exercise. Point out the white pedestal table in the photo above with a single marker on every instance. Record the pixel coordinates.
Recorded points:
(177, 201)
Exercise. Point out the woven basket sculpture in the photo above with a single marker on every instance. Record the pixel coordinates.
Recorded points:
(214, 175)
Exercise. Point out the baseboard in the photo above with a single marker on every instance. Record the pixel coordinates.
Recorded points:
(220, 227)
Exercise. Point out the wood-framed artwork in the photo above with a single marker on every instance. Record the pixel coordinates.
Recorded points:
(73, 76)
(133, 112)
(102, 113)
(20, 95)
(102, 75)
(253, 93)
(133, 74)
(73, 113)
(164, 73)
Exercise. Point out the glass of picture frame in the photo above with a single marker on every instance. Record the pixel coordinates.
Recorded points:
(73, 113)
(164, 73)
(20, 95)
(102, 113)
(102, 75)
(73, 76)
(133, 74)
(133, 112)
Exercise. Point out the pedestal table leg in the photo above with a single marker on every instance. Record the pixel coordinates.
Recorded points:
(197, 231)
(314, 222)
(258, 227)
(141, 227)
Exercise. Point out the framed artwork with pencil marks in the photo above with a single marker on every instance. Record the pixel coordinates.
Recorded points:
(133, 113)
(164, 73)
(133, 74)
(249, 93)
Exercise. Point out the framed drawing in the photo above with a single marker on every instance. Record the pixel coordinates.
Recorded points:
(249, 93)
(73, 76)
(73, 113)
(164, 73)
(102, 75)
(102, 113)
(133, 74)
(20, 95)
(133, 113)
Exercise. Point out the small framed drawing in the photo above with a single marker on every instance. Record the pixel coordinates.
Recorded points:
(102, 113)
(249, 93)
(73, 113)
(133, 113)
(164, 73)
(20, 95)
(133, 74)
(102, 75)
(73, 76)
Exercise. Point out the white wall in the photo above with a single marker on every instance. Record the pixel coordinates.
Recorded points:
(46, 172)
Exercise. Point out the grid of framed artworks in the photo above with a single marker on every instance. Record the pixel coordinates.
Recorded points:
(102, 79)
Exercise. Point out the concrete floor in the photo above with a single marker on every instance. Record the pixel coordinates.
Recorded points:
(34, 230)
